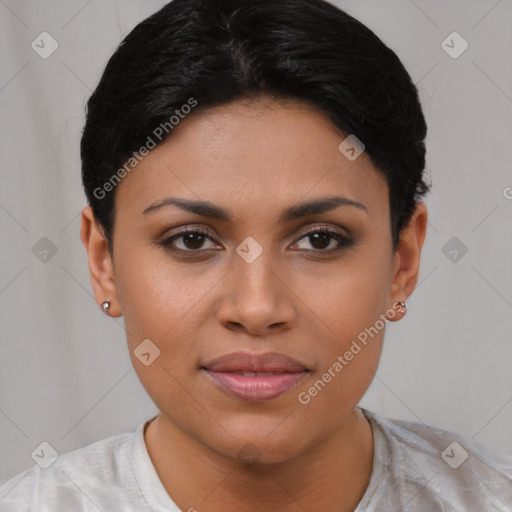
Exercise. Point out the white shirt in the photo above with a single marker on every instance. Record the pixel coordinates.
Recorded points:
(416, 468)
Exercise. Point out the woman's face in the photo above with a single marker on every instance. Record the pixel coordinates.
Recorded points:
(265, 275)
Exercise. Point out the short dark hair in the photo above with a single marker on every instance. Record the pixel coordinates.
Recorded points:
(218, 51)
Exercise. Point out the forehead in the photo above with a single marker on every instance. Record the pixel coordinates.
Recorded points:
(251, 155)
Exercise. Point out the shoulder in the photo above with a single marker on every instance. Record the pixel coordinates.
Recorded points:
(443, 467)
(96, 475)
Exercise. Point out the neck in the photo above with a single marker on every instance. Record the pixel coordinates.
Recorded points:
(331, 475)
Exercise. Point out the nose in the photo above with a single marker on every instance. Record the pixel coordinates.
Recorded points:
(256, 299)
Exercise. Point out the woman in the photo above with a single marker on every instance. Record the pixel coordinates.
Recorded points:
(254, 173)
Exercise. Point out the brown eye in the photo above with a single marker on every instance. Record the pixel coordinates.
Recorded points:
(192, 240)
(322, 238)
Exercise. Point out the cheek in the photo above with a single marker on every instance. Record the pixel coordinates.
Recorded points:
(158, 295)
(348, 327)
(162, 301)
(349, 343)
(336, 389)
(346, 298)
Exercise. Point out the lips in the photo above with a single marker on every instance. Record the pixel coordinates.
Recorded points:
(255, 377)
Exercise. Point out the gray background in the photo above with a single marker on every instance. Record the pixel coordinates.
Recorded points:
(65, 373)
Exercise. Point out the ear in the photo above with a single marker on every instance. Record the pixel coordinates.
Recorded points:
(406, 264)
(100, 263)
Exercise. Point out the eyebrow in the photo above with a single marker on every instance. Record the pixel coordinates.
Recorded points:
(211, 211)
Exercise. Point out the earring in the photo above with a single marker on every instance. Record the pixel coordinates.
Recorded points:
(105, 305)
(392, 312)
(403, 305)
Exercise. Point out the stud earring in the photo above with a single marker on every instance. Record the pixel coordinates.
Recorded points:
(105, 305)
(392, 312)
(403, 305)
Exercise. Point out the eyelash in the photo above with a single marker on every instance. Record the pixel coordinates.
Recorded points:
(344, 242)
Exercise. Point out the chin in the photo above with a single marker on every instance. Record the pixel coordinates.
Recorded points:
(261, 443)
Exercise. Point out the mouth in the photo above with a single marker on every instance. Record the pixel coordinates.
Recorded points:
(255, 377)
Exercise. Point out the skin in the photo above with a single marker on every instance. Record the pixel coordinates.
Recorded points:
(255, 158)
